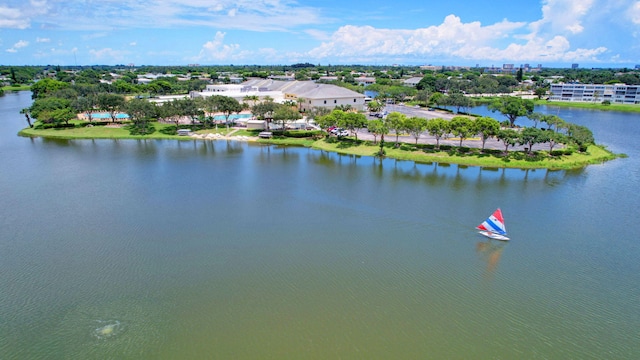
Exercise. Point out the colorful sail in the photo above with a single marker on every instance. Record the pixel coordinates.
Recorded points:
(494, 224)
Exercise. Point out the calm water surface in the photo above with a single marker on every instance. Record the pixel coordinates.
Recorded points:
(228, 250)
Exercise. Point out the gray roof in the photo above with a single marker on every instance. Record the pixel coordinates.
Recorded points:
(305, 89)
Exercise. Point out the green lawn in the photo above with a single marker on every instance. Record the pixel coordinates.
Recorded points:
(591, 106)
(515, 159)
(15, 88)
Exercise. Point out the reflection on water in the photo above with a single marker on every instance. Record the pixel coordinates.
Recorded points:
(490, 252)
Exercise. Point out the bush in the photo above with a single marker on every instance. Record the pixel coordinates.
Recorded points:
(57, 126)
(303, 133)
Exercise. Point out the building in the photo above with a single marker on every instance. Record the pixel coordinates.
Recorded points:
(616, 93)
(412, 81)
(307, 94)
(575, 66)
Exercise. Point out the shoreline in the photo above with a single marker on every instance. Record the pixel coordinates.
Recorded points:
(419, 153)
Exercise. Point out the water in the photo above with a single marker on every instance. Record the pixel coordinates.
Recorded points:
(194, 249)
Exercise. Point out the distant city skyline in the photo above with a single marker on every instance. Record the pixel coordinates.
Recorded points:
(554, 33)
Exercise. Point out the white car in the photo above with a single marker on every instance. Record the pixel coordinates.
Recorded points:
(342, 133)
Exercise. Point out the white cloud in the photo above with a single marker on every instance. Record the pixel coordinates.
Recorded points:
(217, 50)
(133, 43)
(13, 18)
(634, 12)
(562, 16)
(257, 15)
(454, 39)
(42, 40)
(20, 44)
(108, 55)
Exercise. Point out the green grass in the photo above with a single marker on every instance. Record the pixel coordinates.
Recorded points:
(410, 152)
(15, 88)
(515, 159)
(591, 106)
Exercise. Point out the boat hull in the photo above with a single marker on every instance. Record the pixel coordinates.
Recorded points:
(493, 235)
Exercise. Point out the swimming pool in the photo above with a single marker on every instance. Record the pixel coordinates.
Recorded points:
(106, 115)
(232, 117)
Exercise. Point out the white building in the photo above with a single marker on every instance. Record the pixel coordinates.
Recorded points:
(616, 93)
(307, 93)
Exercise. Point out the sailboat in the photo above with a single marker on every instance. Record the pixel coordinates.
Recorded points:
(493, 227)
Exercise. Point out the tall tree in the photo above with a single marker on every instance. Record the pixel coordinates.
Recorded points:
(140, 112)
(487, 128)
(395, 121)
(462, 127)
(509, 137)
(512, 107)
(438, 128)
(353, 122)
(377, 127)
(531, 136)
(416, 126)
(285, 113)
(111, 103)
(25, 112)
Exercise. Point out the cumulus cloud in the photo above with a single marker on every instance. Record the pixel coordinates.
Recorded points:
(634, 12)
(42, 40)
(216, 49)
(20, 44)
(108, 55)
(454, 39)
(13, 18)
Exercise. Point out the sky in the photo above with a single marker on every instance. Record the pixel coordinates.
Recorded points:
(554, 33)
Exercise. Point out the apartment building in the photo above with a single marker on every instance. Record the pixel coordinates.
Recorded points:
(615, 93)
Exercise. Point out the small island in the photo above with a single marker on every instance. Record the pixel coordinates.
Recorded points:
(421, 125)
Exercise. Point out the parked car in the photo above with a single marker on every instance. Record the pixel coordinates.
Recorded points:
(336, 131)
(342, 133)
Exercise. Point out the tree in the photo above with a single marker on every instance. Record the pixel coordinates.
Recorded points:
(512, 107)
(463, 127)
(57, 116)
(264, 110)
(375, 106)
(458, 100)
(25, 112)
(529, 137)
(334, 118)
(581, 136)
(86, 105)
(140, 111)
(519, 75)
(486, 127)
(46, 87)
(227, 106)
(553, 138)
(377, 127)
(395, 121)
(416, 126)
(43, 107)
(438, 128)
(540, 92)
(353, 122)
(110, 103)
(285, 113)
(509, 137)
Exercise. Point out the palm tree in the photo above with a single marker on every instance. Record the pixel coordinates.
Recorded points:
(26, 112)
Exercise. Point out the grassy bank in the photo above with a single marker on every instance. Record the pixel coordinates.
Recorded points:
(419, 153)
(473, 157)
(15, 88)
(591, 106)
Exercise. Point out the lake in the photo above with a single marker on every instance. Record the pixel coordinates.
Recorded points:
(230, 250)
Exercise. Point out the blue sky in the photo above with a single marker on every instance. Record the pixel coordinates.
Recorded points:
(592, 33)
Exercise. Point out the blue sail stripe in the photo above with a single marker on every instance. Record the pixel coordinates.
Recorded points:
(495, 227)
